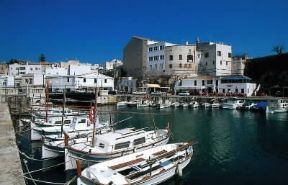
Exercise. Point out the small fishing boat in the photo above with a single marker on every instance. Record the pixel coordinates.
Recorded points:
(79, 124)
(152, 166)
(194, 104)
(121, 104)
(277, 106)
(232, 103)
(114, 144)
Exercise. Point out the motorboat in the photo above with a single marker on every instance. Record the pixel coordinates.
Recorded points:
(232, 103)
(151, 166)
(277, 106)
(114, 144)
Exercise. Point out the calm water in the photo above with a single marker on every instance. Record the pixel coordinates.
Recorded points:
(232, 147)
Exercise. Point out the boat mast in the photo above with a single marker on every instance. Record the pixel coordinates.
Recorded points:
(95, 118)
(63, 109)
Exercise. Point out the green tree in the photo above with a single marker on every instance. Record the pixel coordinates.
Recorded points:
(278, 49)
(42, 58)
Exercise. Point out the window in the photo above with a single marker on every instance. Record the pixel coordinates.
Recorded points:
(209, 81)
(206, 55)
(203, 82)
(156, 58)
(213, 62)
(68, 79)
(229, 55)
(105, 80)
(161, 57)
(242, 90)
(206, 63)
(223, 90)
(170, 66)
(161, 47)
(195, 82)
(226, 63)
(21, 68)
(189, 58)
(161, 66)
(185, 65)
(84, 80)
(95, 80)
(150, 67)
(189, 65)
(236, 90)
(180, 65)
(150, 49)
(218, 53)
(171, 57)
(155, 48)
(180, 57)
(139, 141)
(101, 145)
(156, 67)
(122, 145)
(150, 58)
(220, 62)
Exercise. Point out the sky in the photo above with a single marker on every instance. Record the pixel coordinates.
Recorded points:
(96, 31)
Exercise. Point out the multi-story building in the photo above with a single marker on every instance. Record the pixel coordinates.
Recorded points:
(156, 58)
(113, 64)
(215, 59)
(238, 65)
(28, 68)
(181, 61)
(3, 69)
(135, 56)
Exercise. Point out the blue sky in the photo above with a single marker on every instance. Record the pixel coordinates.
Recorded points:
(95, 31)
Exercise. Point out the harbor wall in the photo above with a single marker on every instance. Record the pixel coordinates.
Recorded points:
(10, 166)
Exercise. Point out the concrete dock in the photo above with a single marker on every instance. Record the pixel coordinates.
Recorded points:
(10, 164)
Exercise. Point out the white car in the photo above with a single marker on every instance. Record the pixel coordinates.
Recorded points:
(184, 94)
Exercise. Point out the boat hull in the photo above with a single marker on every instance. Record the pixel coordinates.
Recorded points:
(71, 155)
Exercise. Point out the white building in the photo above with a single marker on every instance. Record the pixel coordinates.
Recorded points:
(156, 58)
(221, 85)
(126, 85)
(215, 59)
(20, 69)
(113, 64)
(87, 82)
(238, 65)
(181, 60)
(6, 81)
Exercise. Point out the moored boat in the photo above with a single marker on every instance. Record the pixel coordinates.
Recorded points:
(114, 144)
(151, 166)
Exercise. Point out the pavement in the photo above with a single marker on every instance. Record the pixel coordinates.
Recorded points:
(10, 164)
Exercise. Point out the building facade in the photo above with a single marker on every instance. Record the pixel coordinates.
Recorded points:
(218, 85)
(135, 57)
(215, 59)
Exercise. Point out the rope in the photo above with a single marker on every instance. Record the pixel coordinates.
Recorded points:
(46, 182)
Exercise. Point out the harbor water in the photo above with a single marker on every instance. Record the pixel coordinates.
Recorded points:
(230, 146)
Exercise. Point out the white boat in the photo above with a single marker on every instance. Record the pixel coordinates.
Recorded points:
(79, 124)
(184, 105)
(114, 144)
(51, 112)
(175, 104)
(121, 104)
(277, 106)
(54, 145)
(152, 166)
(194, 104)
(232, 103)
(143, 103)
(206, 105)
(215, 105)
